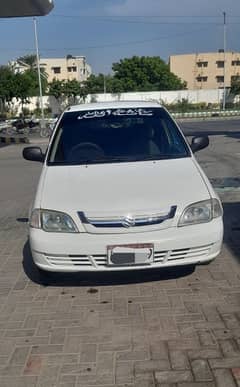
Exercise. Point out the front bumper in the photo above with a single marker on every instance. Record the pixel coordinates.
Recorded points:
(174, 246)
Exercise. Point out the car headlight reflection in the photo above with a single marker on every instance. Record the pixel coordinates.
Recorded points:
(52, 221)
(201, 212)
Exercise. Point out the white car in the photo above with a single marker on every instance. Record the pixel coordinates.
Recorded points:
(120, 189)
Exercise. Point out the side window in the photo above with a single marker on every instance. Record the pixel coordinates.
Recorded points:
(174, 139)
(175, 142)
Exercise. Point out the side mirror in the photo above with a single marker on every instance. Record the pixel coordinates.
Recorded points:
(33, 153)
(199, 143)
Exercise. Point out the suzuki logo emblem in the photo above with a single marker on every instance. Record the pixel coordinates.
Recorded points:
(128, 221)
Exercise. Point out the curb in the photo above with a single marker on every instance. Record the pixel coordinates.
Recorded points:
(207, 114)
(206, 119)
(14, 140)
(38, 141)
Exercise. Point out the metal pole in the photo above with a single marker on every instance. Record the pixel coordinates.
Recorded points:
(42, 121)
(224, 68)
(104, 84)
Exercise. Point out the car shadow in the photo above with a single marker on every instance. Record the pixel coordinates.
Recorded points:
(231, 219)
(99, 279)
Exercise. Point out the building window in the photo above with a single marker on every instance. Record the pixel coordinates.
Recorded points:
(56, 70)
(220, 64)
(236, 62)
(202, 79)
(72, 69)
(220, 78)
(202, 64)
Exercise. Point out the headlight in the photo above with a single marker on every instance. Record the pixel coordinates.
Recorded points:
(201, 212)
(52, 221)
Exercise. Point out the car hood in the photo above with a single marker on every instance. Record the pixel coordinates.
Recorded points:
(122, 187)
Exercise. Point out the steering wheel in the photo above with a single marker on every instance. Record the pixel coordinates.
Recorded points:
(85, 151)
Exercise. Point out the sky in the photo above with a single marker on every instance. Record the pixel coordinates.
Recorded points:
(106, 31)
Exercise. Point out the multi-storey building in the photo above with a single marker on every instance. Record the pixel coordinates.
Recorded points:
(69, 68)
(206, 70)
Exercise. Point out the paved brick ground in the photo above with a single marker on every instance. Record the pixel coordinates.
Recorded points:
(161, 329)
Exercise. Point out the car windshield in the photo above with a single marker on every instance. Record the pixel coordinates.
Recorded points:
(116, 135)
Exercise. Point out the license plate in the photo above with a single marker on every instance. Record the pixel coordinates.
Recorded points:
(130, 255)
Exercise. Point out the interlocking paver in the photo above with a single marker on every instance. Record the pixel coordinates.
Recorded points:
(142, 367)
(230, 348)
(88, 353)
(225, 363)
(19, 356)
(207, 338)
(22, 381)
(224, 378)
(236, 374)
(179, 360)
(204, 354)
(201, 370)
(197, 384)
(124, 372)
(173, 376)
(34, 365)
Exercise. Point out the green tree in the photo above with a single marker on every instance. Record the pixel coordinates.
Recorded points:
(32, 79)
(145, 74)
(29, 60)
(7, 87)
(23, 85)
(55, 88)
(235, 85)
(98, 83)
(95, 84)
(135, 74)
(71, 89)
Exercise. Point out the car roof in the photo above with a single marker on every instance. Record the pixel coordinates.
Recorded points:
(113, 105)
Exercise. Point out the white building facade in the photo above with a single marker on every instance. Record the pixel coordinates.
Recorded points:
(62, 69)
(68, 68)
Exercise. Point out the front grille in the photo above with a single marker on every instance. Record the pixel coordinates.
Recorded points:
(77, 260)
(128, 221)
(99, 260)
(189, 253)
